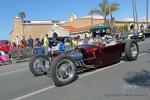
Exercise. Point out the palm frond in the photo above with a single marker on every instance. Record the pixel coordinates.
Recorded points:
(94, 11)
(114, 7)
(22, 15)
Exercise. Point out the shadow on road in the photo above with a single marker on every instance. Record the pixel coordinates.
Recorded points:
(141, 79)
(124, 58)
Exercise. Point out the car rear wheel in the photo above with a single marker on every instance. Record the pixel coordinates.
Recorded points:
(131, 50)
(64, 70)
(39, 65)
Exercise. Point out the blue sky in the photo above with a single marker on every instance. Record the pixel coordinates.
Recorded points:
(58, 10)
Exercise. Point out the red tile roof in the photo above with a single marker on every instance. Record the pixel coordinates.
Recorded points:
(77, 29)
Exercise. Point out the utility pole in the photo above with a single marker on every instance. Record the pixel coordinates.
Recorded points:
(136, 15)
(133, 11)
(147, 12)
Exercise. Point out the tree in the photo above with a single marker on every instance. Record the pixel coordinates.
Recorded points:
(126, 28)
(105, 9)
(22, 15)
(113, 7)
(91, 13)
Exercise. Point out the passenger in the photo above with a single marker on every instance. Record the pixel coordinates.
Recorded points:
(111, 42)
(104, 39)
(62, 46)
(56, 47)
(90, 41)
(98, 38)
(67, 44)
(74, 41)
(86, 36)
(80, 42)
(78, 37)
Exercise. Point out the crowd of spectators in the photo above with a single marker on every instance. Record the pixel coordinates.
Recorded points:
(62, 44)
(23, 42)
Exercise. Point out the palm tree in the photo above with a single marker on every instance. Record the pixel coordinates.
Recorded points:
(113, 7)
(104, 9)
(91, 13)
(22, 15)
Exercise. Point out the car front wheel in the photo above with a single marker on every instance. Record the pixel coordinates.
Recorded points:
(64, 70)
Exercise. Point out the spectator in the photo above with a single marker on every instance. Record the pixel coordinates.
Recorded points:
(14, 44)
(46, 44)
(37, 42)
(46, 41)
(23, 42)
(17, 40)
(30, 41)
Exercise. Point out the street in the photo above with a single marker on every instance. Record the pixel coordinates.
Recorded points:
(122, 81)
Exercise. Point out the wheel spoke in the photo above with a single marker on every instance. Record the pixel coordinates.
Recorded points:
(65, 70)
(39, 64)
(134, 50)
(61, 74)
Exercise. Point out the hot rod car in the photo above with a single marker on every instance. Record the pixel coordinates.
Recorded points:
(64, 67)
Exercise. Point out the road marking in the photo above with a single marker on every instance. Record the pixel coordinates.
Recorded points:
(6, 73)
(52, 86)
(34, 93)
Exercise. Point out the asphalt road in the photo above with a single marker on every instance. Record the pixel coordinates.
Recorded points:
(121, 81)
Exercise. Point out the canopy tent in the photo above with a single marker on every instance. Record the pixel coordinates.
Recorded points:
(101, 27)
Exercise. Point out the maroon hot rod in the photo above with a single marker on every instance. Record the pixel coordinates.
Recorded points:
(64, 67)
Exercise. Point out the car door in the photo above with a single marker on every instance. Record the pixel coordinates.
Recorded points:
(111, 54)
